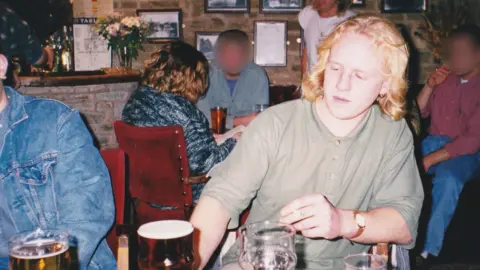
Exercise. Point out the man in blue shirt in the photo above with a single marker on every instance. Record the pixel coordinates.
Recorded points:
(52, 177)
(235, 82)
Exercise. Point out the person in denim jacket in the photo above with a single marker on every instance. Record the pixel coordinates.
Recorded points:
(52, 176)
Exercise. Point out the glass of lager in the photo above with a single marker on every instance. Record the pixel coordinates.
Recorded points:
(39, 250)
(166, 244)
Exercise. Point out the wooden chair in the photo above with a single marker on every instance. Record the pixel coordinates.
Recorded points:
(117, 240)
(158, 171)
(115, 161)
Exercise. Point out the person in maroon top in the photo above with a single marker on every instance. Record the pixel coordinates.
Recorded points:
(451, 99)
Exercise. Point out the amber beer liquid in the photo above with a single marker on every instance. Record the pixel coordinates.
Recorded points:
(39, 250)
(166, 244)
(219, 118)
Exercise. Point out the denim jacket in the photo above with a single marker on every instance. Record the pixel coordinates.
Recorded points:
(53, 177)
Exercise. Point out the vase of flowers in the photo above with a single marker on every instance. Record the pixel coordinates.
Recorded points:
(125, 35)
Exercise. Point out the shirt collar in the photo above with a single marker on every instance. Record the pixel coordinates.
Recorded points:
(319, 130)
(16, 103)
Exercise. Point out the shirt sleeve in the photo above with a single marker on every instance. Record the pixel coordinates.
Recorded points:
(399, 185)
(235, 182)
(263, 90)
(83, 189)
(20, 38)
(425, 112)
(305, 15)
(469, 142)
(202, 150)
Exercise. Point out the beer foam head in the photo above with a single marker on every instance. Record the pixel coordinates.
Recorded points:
(165, 229)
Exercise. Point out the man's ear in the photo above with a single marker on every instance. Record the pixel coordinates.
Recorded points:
(386, 85)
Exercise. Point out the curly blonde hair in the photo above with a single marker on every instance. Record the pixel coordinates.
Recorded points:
(178, 68)
(391, 46)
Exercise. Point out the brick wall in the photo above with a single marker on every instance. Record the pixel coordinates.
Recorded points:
(99, 104)
(194, 19)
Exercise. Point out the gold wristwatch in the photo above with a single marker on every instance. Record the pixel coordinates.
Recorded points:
(361, 223)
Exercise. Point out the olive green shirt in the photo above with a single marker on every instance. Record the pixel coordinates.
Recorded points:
(286, 153)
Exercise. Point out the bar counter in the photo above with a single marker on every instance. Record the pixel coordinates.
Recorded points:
(100, 98)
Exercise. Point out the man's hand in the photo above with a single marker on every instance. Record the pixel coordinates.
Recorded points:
(244, 120)
(314, 216)
(438, 76)
(434, 158)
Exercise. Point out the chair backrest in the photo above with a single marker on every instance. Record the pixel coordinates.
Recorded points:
(157, 168)
(115, 161)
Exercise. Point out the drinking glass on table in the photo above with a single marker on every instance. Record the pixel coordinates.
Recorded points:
(166, 244)
(219, 118)
(267, 245)
(260, 107)
(39, 250)
(365, 261)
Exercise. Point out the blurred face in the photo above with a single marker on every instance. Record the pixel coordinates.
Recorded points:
(353, 79)
(325, 5)
(232, 58)
(464, 56)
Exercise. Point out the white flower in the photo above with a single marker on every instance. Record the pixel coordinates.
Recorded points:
(131, 21)
(113, 29)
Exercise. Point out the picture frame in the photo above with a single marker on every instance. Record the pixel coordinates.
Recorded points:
(227, 6)
(205, 43)
(358, 3)
(281, 6)
(167, 24)
(403, 6)
(270, 43)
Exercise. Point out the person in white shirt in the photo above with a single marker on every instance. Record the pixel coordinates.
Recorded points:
(317, 20)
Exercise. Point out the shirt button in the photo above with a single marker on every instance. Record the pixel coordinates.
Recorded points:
(1, 126)
(334, 158)
(331, 176)
(337, 143)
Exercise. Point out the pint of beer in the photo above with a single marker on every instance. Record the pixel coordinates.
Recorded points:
(219, 118)
(166, 244)
(39, 250)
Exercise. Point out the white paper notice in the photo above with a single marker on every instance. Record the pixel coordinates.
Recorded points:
(270, 43)
(90, 49)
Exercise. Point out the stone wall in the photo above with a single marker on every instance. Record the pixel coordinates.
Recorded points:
(194, 19)
(99, 104)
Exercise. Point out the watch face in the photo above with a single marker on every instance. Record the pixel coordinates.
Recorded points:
(360, 220)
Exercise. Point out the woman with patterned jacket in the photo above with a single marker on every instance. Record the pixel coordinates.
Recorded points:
(175, 77)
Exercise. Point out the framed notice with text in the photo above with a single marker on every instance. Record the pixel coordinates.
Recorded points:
(270, 47)
(90, 50)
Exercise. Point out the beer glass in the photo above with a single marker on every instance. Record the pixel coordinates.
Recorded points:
(267, 245)
(365, 261)
(219, 118)
(166, 244)
(39, 250)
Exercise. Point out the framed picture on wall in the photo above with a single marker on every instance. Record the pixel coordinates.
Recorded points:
(270, 47)
(405, 6)
(224, 6)
(281, 6)
(205, 43)
(167, 23)
(358, 3)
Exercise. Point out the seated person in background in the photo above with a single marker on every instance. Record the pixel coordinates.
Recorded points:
(451, 98)
(174, 79)
(235, 83)
(52, 176)
(17, 39)
(303, 162)
(317, 20)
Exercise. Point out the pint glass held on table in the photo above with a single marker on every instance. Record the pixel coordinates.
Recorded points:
(219, 117)
(39, 250)
(166, 244)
